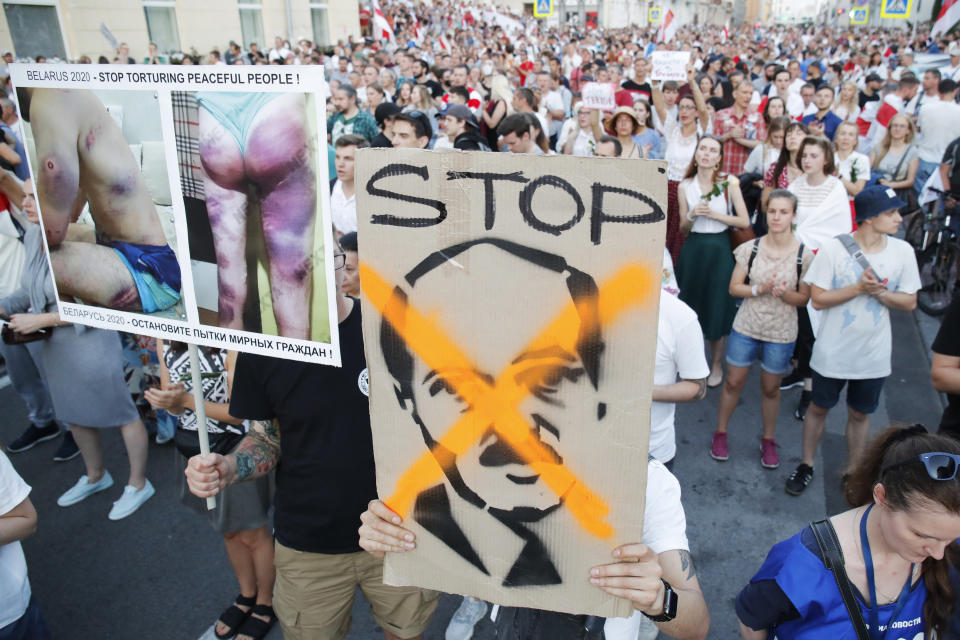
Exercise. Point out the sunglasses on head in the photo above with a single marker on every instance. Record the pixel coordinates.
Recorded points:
(940, 465)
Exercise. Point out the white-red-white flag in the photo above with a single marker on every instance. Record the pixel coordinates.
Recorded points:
(725, 32)
(668, 28)
(949, 16)
(381, 27)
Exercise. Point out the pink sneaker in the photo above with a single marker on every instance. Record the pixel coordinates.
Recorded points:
(719, 449)
(769, 458)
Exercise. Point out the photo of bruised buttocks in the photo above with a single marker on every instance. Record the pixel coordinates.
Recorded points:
(251, 202)
(119, 256)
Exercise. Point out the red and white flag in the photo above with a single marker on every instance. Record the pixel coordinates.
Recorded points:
(949, 16)
(380, 25)
(725, 32)
(418, 32)
(668, 28)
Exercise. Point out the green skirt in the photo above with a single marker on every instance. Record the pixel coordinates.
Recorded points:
(703, 274)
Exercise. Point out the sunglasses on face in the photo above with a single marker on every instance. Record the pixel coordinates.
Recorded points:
(939, 465)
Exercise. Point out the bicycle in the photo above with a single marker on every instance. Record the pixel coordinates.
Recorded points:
(938, 258)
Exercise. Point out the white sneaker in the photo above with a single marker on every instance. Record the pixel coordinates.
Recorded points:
(131, 500)
(465, 619)
(84, 489)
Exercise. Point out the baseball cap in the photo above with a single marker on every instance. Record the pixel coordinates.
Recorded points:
(384, 111)
(462, 112)
(874, 200)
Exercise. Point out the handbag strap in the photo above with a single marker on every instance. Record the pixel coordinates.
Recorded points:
(903, 156)
(753, 255)
(855, 251)
(799, 264)
(833, 560)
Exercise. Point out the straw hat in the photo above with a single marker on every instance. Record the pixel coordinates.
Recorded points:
(609, 121)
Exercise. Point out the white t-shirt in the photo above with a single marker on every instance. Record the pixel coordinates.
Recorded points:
(855, 159)
(854, 341)
(584, 143)
(14, 585)
(552, 101)
(939, 123)
(343, 210)
(664, 529)
(679, 352)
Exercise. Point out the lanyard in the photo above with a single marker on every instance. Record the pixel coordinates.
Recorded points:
(872, 610)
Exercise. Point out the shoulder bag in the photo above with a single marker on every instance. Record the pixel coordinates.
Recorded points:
(833, 560)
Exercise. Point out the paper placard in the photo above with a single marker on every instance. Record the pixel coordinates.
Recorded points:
(598, 95)
(193, 201)
(669, 65)
(503, 296)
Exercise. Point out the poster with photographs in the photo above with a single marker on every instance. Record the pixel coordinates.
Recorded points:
(187, 203)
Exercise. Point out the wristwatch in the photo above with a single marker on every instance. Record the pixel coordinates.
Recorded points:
(669, 604)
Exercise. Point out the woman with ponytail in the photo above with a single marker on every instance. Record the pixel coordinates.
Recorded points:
(898, 545)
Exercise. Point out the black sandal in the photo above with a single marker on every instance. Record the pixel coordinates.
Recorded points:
(234, 617)
(255, 627)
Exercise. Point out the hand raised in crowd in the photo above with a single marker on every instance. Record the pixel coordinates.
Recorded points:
(634, 576)
(381, 531)
(208, 475)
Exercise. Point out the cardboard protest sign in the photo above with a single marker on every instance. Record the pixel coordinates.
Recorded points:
(669, 65)
(509, 315)
(187, 203)
(598, 95)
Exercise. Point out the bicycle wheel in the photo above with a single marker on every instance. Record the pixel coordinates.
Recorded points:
(938, 277)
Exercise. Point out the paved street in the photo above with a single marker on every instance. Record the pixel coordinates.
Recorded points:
(163, 573)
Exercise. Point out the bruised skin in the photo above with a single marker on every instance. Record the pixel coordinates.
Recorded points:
(277, 163)
(83, 157)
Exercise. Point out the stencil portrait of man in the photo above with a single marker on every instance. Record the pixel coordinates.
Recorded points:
(560, 386)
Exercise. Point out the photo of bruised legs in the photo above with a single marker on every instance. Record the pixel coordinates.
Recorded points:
(258, 145)
(124, 261)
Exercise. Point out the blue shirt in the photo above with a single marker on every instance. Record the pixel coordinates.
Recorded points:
(20, 170)
(830, 122)
(794, 573)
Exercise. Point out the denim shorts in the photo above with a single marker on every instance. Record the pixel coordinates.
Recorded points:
(862, 395)
(742, 351)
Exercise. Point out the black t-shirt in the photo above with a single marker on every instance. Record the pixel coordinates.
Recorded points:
(947, 343)
(326, 475)
(642, 88)
(864, 98)
(470, 141)
(381, 141)
(951, 156)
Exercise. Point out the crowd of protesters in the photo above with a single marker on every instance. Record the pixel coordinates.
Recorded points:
(792, 155)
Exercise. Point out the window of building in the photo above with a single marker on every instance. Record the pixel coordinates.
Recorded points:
(162, 24)
(251, 23)
(320, 17)
(35, 28)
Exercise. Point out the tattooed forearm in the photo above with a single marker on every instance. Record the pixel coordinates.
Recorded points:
(686, 564)
(701, 388)
(259, 452)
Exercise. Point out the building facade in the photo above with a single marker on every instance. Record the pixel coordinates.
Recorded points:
(68, 29)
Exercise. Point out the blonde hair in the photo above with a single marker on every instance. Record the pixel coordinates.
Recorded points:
(425, 103)
(500, 90)
(884, 145)
(853, 102)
